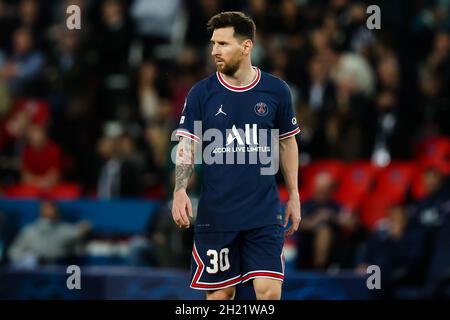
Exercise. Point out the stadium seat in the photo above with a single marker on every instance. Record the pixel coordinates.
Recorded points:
(65, 191)
(434, 151)
(308, 173)
(283, 194)
(417, 184)
(22, 191)
(355, 184)
(394, 180)
(374, 209)
(158, 192)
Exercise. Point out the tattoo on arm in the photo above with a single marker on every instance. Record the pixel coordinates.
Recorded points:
(184, 163)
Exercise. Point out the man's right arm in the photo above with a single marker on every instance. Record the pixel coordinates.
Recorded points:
(184, 166)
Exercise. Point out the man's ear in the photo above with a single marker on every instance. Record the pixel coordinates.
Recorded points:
(247, 45)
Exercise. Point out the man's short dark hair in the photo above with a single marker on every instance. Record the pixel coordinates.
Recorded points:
(243, 25)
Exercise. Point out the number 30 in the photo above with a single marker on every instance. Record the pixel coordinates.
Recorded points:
(218, 259)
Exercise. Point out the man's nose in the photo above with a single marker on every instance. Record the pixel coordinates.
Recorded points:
(214, 50)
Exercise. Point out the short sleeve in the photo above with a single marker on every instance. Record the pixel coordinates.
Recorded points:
(190, 114)
(286, 121)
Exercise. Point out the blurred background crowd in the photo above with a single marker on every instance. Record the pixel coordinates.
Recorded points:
(89, 114)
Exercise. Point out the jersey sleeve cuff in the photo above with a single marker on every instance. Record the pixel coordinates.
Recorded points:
(289, 134)
(187, 134)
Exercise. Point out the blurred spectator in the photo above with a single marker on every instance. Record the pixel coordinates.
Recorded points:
(67, 69)
(13, 132)
(108, 183)
(398, 249)
(164, 245)
(322, 222)
(430, 211)
(434, 80)
(29, 16)
(321, 91)
(116, 175)
(354, 70)
(439, 57)
(113, 37)
(349, 128)
(155, 20)
(200, 11)
(156, 156)
(288, 19)
(359, 38)
(393, 132)
(6, 24)
(110, 41)
(147, 93)
(320, 95)
(187, 69)
(320, 42)
(41, 159)
(434, 105)
(133, 164)
(23, 66)
(260, 11)
(152, 94)
(48, 239)
(128, 151)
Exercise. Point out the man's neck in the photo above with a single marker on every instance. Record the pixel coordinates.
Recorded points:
(242, 77)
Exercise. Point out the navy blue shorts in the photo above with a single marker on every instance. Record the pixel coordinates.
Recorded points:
(225, 259)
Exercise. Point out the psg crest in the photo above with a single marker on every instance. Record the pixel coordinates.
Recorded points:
(261, 109)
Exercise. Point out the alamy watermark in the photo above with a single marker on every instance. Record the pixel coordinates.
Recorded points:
(374, 280)
(248, 145)
(74, 279)
(374, 20)
(73, 21)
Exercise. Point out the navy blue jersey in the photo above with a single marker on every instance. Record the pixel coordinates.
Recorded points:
(236, 126)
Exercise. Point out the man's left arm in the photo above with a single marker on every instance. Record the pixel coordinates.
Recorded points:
(289, 169)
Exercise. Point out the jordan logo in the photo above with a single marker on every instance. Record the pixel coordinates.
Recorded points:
(220, 111)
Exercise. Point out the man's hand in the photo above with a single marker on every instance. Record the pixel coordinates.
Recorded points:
(181, 204)
(292, 212)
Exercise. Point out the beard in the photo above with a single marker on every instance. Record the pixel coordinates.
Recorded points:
(229, 68)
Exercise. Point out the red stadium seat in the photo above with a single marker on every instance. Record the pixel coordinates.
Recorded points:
(374, 209)
(308, 173)
(158, 192)
(22, 191)
(283, 194)
(65, 191)
(394, 180)
(435, 151)
(417, 185)
(355, 184)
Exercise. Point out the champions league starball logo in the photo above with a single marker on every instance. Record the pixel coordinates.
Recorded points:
(261, 109)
